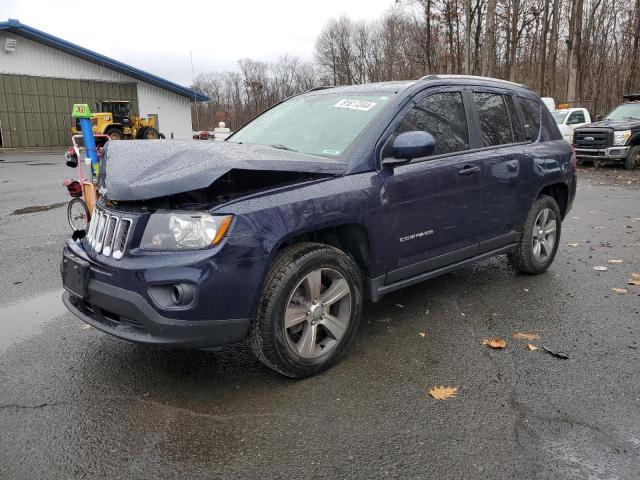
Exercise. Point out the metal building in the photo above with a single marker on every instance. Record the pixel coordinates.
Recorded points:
(42, 76)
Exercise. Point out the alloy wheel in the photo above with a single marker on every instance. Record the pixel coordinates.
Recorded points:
(318, 313)
(544, 234)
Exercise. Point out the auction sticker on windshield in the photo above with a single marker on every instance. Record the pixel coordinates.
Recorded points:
(362, 105)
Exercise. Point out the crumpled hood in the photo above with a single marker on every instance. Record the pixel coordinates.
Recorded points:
(144, 169)
(614, 124)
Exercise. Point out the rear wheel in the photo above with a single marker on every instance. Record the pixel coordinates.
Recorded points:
(309, 310)
(632, 160)
(77, 214)
(114, 133)
(151, 134)
(540, 237)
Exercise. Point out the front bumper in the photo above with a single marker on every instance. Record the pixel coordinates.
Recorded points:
(116, 300)
(611, 153)
(127, 315)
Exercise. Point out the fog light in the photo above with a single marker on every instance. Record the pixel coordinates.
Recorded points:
(172, 295)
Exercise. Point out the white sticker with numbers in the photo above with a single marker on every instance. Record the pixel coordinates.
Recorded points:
(361, 105)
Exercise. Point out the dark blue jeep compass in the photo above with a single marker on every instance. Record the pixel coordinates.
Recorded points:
(327, 199)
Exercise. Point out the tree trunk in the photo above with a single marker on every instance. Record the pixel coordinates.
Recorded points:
(489, 59)
(575, 45)
(467, 37)
(632, 79)
(554, 45)
(543, 48)
(513, 42)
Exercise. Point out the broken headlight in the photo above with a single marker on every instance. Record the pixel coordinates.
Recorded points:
(184, 230)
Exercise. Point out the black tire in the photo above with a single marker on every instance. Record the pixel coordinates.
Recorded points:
(269, 339)
(523, 258)
(631, 162)
(151, 134)
(140, 133)
(78, 214)
(114, 133)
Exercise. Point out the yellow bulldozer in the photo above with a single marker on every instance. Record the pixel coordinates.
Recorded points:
(114, 119)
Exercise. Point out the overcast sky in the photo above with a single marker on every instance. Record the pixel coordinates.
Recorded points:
(157, 36)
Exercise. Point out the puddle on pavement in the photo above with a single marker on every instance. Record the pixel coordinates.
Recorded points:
(25, 319)
(37, 208)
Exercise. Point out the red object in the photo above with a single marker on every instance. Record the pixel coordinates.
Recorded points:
(203, 135)
(74, 187)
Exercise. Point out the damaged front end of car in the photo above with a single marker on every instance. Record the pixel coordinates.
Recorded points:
(166, 249)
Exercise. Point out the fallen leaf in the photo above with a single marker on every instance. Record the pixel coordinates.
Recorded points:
(561, 355)
(613, 262)
(442, 392)
(619, 290)
(635, 275)
(600, 268)
(526, 335)
(422, 334)
(633, 281)
(495, 342)
(86, 327)
(531, 347)
(572, 244)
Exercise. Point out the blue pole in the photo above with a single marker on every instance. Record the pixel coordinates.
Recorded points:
(90, 144)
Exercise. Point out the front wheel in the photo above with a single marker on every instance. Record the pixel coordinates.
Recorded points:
(540, 237)
(78, 214)
(631, 162)
(151, 134)
(309, 310)
(114, 134)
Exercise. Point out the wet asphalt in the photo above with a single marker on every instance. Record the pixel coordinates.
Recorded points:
(76, 403)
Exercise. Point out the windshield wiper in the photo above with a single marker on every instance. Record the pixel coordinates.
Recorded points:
(279, 146)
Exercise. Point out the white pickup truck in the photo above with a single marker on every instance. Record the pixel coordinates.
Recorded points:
(569, 119)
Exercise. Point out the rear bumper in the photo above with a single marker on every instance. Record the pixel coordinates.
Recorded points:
(611, 153)
(127, 315)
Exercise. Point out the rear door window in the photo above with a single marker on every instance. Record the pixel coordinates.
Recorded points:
(495, 126)
(443, 116)
(531, 113)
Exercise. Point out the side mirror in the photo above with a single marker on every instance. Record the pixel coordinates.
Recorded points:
(598, 118)
(410, 145)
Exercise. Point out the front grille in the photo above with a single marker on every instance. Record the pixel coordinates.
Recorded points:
(108, 234)
(593, 139)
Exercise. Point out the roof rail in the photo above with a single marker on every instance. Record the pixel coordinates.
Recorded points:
(471, 77)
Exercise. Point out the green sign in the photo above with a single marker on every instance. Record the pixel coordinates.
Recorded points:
(81, 110)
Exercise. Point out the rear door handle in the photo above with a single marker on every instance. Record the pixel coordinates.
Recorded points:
(468, 170)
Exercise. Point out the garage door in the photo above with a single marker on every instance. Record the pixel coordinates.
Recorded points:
(36, 111)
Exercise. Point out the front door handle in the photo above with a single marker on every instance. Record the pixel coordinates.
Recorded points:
(469, 170)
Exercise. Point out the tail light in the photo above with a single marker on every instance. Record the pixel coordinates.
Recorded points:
(574, 160)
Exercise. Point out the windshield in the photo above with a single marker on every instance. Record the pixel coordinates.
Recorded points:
(318, 124)
(623, 112)
(559, 116)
